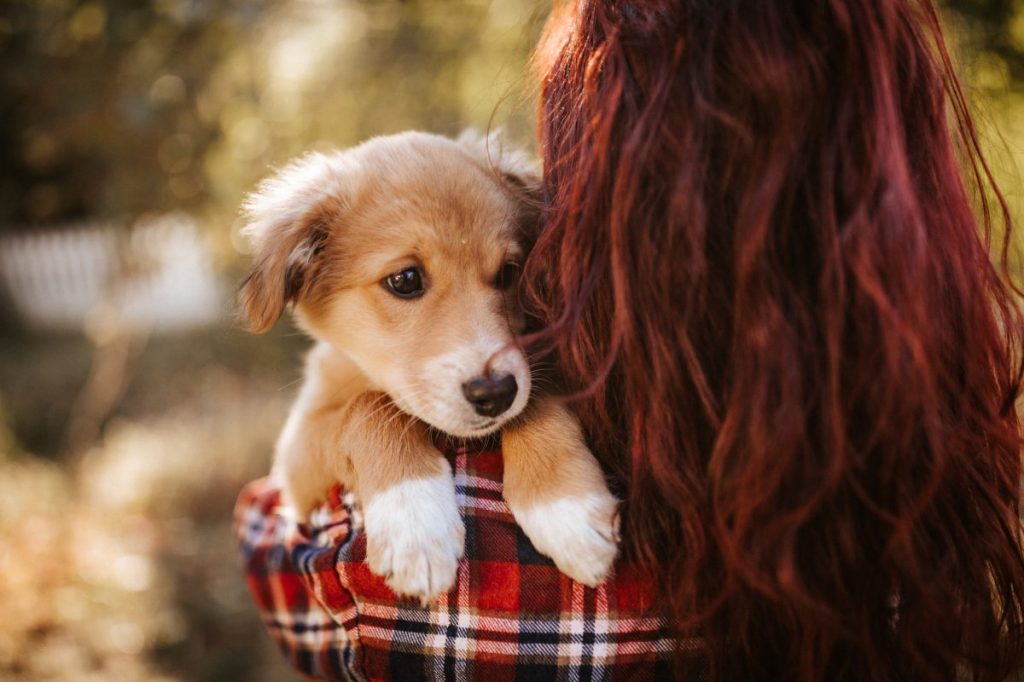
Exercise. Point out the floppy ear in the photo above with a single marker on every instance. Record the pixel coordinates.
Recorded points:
(288, 223)
(516, 170)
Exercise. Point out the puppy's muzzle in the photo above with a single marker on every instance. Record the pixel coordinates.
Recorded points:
(490, 395)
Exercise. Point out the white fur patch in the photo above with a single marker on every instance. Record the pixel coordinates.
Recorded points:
(580, 534)
(415, 536)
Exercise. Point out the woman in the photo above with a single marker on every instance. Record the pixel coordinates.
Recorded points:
(762, 267)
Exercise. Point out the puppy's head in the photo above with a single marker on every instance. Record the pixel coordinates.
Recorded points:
(404, 253)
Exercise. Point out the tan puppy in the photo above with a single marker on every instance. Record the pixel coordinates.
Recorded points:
(400, 257)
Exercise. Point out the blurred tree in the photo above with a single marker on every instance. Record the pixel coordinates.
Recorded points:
(999, 31)
(376, 67)
(113, 108)
(97, 116)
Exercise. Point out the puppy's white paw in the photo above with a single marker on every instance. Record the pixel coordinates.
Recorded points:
(580, 534)
(415, 536)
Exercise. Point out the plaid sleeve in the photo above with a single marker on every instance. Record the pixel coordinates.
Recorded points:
(290, 573)
(510, 616)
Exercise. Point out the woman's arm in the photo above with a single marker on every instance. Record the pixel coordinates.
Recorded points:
(292, 578)
(511, 614)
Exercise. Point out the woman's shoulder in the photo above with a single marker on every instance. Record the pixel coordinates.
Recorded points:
(510, 608)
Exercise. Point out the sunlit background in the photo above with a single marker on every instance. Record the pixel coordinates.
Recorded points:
(132, 408)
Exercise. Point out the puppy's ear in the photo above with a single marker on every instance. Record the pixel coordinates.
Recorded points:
(515, 166)
(288, 220)
(517, 171)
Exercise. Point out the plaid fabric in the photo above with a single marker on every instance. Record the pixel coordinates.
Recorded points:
(510, 616)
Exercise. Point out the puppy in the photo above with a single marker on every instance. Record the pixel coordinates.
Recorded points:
(399, 257)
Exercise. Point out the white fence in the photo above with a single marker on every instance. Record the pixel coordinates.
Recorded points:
(157, 277)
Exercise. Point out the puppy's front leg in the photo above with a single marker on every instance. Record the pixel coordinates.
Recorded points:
(558, 494)
(414, 534)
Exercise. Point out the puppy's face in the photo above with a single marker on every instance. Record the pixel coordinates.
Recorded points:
(404, 254)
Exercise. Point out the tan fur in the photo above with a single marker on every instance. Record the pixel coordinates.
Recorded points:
(327, 230)
(550, 473)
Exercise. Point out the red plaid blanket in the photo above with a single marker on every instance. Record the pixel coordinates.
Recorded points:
(510, 616)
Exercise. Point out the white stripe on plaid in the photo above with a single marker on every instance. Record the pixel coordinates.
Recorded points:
(464, 480)
(466, 486)
(612, 637)
(308, 629)
(513, 624)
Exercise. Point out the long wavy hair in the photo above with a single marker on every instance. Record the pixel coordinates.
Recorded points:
(770, 281)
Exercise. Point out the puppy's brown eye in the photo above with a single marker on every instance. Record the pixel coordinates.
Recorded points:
(406, 283)
(507, 275)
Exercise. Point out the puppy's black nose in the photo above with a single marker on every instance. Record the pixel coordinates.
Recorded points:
(490, 395)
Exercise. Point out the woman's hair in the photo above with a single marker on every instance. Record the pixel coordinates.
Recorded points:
(764, 271)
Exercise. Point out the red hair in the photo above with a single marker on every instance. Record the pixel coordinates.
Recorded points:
(763, 268)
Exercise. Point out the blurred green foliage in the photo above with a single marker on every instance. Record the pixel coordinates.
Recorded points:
(986, 38)
(99, 109)
(998, 31)
(112, 108)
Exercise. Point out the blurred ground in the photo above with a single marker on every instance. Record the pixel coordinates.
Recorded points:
(120, 564)
(125, 436)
